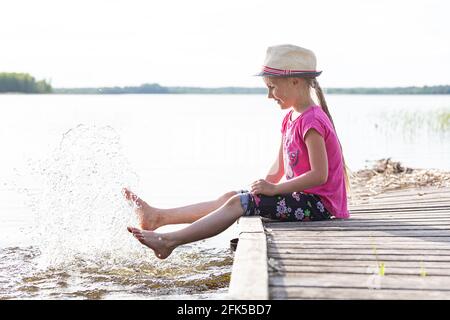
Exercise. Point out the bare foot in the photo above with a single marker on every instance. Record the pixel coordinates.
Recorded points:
(155, 241)
(149, 218)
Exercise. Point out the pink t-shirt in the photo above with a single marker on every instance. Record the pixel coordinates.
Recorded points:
(296, 159)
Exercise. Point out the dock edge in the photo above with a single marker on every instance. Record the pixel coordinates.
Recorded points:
(249, 275)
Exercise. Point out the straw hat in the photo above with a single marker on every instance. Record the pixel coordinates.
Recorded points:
(289, 61)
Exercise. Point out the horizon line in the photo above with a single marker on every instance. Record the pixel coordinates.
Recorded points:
(247, 87)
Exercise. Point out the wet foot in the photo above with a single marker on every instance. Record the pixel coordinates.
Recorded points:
(155, 241)
(149, 218)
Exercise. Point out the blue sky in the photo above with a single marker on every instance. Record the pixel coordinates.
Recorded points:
(223, 42)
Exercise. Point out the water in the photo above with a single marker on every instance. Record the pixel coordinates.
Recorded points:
(65, 159)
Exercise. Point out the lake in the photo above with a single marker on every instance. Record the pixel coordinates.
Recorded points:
(66, 157)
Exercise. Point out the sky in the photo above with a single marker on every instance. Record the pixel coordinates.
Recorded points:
(215, 43)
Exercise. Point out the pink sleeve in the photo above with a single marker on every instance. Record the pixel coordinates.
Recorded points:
(313, 123)
(284, 123)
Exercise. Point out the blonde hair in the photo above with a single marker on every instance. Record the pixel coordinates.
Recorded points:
(314, 84)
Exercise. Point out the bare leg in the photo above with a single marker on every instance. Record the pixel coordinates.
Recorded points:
(151, 218)
(210, 225)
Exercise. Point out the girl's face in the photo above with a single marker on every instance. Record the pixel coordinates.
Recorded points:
(285, 91)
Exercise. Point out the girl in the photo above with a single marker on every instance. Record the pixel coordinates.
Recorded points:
(310, 156)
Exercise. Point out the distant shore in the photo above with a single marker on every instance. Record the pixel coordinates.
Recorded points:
(158, 89)
(25, 83)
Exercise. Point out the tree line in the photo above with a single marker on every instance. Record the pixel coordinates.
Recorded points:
(155, 88)
(23, 83)
(394, 90)
(158, 89)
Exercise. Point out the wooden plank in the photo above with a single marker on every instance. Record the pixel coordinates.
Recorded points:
(368, 246)
(360, 221)
(346, 246)
(348, 239)
(295, 271)
(393, 218)
(365, 200)
(404, 208)
(379, 248)
(408, 191)
(398, 195)
(398, 218)
(431, 192)
(377, 212)
(371, 246)
(359, 239)
(403, 241)
(355, 294)
(250, 225)
(372, 257)
(400, 214)
(401, 282)
(420, 202)
(408, 203)
(249, 275)
(393, 233)
(402, 217)
(365, 251)
(408, 206)
(399, 207)
(362, 228)
(414, 195)
(399, 211)
(277, 263)
(369, 220)
(411, 200)
(357, 223)
(373, 227)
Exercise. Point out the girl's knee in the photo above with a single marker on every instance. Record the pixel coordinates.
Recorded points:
(227, 196)
(234, 201)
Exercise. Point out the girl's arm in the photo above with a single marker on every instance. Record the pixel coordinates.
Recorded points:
(276, 172)
(318, 160)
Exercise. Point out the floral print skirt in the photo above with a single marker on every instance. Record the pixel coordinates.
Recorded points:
(296, 206)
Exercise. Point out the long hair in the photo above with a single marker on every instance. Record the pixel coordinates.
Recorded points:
(314, 84)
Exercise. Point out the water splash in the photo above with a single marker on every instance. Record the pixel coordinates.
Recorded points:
(78, 207)
(79, 243)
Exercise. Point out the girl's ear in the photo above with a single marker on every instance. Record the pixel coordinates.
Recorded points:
(295, 81)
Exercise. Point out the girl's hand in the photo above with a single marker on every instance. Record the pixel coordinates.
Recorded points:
(261, 186)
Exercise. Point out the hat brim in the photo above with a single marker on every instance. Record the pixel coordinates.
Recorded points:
(297, 75)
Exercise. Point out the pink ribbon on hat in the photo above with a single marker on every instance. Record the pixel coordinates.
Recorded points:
(277, 72)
